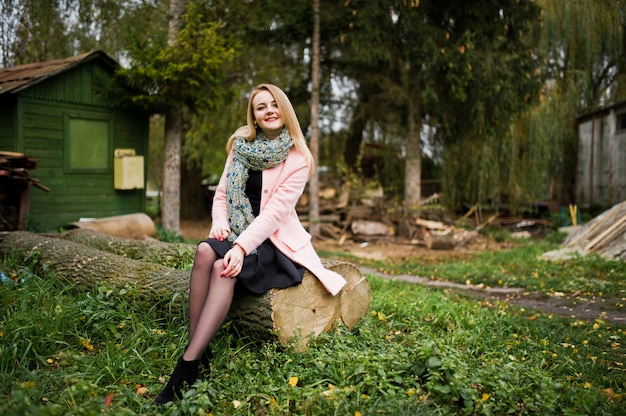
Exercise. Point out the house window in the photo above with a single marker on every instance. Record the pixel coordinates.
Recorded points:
(88, 144)
(621, 122)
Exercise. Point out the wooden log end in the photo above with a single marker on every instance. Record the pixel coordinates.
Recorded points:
(439, 242)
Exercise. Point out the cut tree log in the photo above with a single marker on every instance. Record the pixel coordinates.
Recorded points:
(88, 267)
(439, 241)
(175, 255)
(135, 225)
(299, 313)
(293, 315)
(372, 228)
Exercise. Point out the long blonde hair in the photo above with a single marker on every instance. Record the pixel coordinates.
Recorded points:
(248, 131)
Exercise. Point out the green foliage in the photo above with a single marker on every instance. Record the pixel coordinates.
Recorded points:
(468, 70)
(588, 59)
(169, 236)
(33, 31)
(555, 237)
(473, 68)
(189, 71)
(487, 71)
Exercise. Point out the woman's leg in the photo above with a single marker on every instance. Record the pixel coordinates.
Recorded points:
(199, 283)
(213, 313)
(210, 297)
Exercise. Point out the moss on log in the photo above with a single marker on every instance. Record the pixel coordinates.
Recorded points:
(175, 255)
(89, 267)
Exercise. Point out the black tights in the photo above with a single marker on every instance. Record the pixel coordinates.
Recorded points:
(210, 297)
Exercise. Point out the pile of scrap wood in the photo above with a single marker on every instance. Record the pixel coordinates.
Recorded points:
(371, 219)
(15, 167)
(604, 235)
(15, 181)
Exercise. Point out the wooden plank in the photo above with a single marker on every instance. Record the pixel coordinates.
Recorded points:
(487, 221)
(605, 233)
(432, 225)
(468, 213)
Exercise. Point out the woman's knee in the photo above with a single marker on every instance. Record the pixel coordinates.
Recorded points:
(217, 268)
(205, 255)
(216, 275)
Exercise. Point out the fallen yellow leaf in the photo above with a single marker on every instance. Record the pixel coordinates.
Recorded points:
(293, 381)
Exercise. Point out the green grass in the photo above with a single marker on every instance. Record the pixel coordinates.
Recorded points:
(521, 267)
(417, 351)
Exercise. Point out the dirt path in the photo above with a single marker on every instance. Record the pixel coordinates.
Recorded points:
(572, 306)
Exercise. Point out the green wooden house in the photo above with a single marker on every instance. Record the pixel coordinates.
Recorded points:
(89, 148)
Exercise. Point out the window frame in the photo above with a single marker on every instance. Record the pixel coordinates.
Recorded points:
(107, 166)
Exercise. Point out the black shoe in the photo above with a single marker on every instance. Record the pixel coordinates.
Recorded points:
(205, 360)
(183, 376)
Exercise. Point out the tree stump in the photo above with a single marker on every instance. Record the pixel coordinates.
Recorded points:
(294, 315)
(298, 313)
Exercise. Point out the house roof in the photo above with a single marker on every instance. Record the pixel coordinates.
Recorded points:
(600, 110)
(18, 78)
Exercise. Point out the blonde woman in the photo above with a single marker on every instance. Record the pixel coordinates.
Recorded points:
(256, 240)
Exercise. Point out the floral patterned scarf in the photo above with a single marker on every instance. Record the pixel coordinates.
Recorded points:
(258, 154)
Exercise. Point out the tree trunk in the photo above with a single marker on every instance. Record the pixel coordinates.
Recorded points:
(413, 165)
(292, 315)
(314, 204)
(192, 206)
(137, 225)
(174, 255)
(170, 217)
(89, 267)
(354, 138)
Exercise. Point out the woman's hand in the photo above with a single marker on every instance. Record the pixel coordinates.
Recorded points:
(220, 234)
(233, 261)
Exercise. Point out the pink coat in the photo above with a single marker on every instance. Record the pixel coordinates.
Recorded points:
(282, 187)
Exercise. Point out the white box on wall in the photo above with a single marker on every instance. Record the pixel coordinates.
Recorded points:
(128, 170)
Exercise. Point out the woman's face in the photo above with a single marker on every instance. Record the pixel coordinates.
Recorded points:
(267, 114)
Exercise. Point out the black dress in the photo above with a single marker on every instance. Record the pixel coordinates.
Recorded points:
(268, 268)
